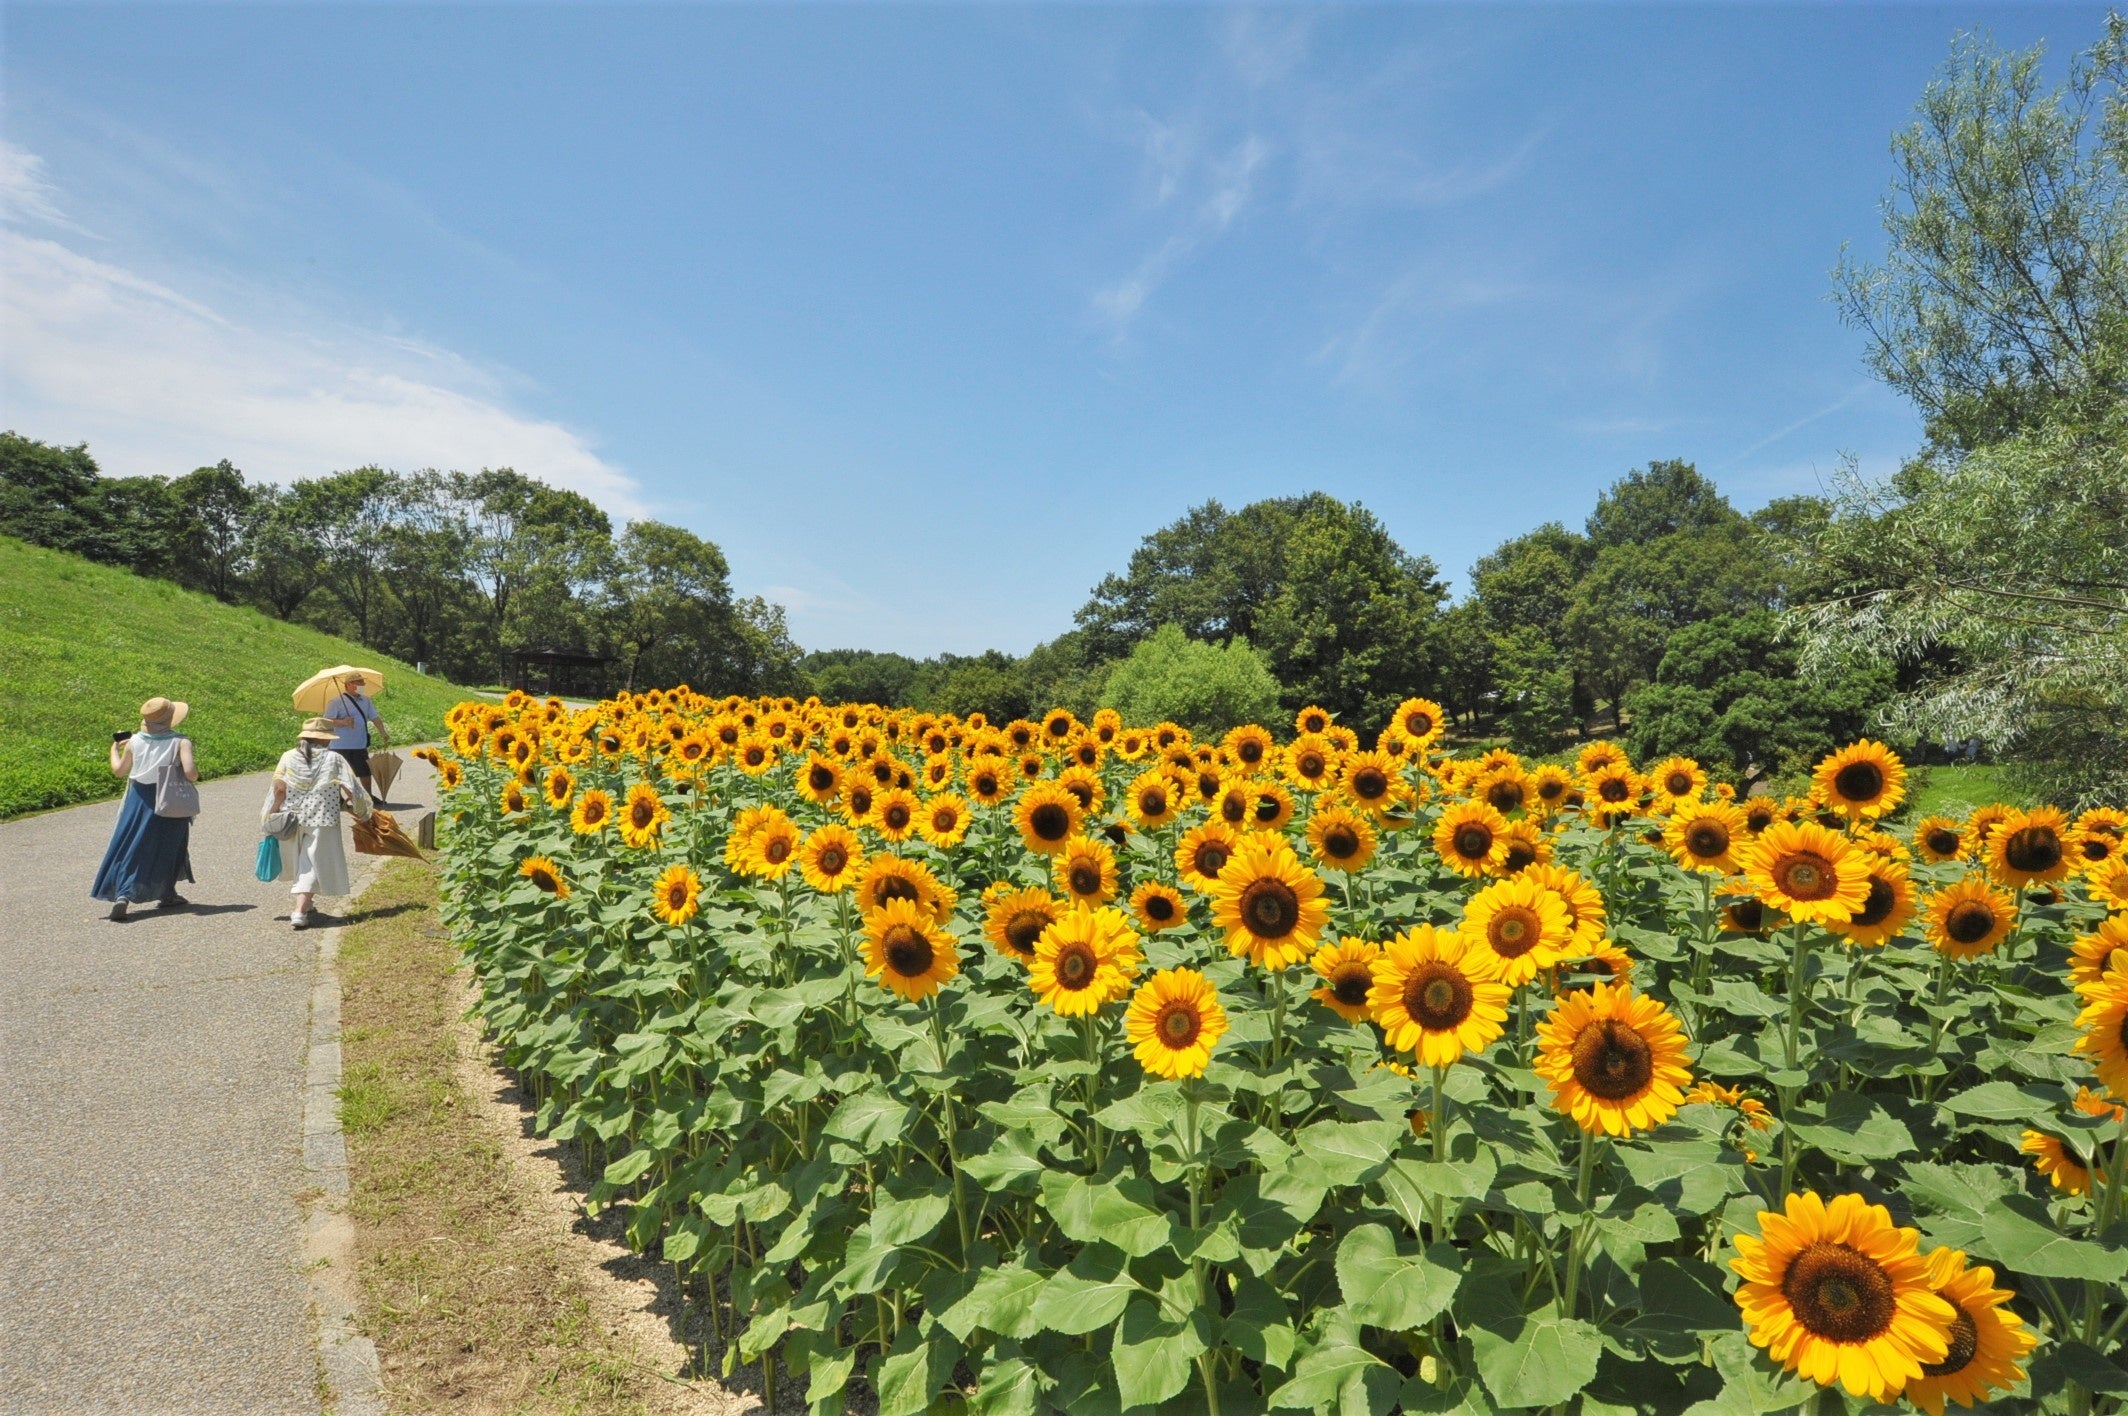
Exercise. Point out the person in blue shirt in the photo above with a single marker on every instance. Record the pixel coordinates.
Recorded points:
(350, 714)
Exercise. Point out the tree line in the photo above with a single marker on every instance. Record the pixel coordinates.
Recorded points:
(451, 570)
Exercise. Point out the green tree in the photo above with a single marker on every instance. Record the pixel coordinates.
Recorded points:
(1207, 688)
(216, 509)
(48, 495)
(1999, 306)
(670, 608)
(1729, 692)
(1999, 582)
(287, 565)
(1535, 687)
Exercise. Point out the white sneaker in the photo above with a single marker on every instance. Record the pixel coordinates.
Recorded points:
(299, 920)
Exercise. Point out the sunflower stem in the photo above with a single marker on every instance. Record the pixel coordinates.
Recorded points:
(952, 1125)
(1576, 1245)
(1438, 1122)
(1190, 1093)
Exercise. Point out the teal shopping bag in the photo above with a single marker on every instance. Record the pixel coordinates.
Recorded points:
(269, 867)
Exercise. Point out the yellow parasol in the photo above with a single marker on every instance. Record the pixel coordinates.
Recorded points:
(325, 685)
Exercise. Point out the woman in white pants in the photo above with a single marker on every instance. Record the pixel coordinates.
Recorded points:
(310, 784)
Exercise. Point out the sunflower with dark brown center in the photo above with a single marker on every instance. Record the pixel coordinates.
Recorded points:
(1047, 816)
(907, 951)
(1173, 1023)
(1086, 958)
(1703, 836)
(1812, 874)
(1340, 838)
(1085, 870)
(1270, 906)
(1015, 919)
(1523, 925)
(1347, 971)
(1969, 918)
(1888, 908)
(830, 858)
(2030, 847)
(1437, 997)
(1839, 1295)
(1614, 1060)
(1158, 906)
(543, 872)
(1470, 838)
(1862, 781)
(1203, 852)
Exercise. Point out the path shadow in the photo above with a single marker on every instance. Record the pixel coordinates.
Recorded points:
(361, 916)
(212, 909)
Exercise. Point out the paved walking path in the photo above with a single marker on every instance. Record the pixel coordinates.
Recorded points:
(152, 1126)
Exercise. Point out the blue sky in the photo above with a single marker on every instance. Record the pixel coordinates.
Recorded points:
(928, 314)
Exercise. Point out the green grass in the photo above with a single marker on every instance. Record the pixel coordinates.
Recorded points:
(1956, 790)
(83, 645)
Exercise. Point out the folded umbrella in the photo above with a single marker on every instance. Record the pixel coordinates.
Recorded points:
(384, 767)
(380, 835)
(325, 685)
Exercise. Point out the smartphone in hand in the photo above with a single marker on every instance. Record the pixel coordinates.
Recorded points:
(121, 736)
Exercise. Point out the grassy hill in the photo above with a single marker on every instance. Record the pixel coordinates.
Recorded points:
(83, 645)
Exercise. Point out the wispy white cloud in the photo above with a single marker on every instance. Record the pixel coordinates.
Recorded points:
(1396, 325)
(159, 381)
(1799, 424)
(25, 193)
(1265, 46)
(1227, 182)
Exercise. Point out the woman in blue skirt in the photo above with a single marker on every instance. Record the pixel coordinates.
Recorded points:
(148, 854)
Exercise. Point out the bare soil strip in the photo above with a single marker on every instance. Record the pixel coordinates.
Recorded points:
(483, 1285)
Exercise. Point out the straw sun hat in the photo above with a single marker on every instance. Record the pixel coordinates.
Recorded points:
(316, 730)
(158, 709)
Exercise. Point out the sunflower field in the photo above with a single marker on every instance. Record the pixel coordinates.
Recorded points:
(1082, 1066)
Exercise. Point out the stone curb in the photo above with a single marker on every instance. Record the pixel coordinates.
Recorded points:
(347, 1359)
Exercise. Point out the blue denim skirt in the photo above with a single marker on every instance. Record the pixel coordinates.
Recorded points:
(148, 854)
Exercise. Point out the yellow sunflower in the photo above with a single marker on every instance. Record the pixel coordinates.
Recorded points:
(1047, 816)
(1083, 960)
(2104, 1026)
(1152, 799)
(831, 858)
(1347, 971)
(1341, 838)
(1840, 1295)
(543, 872)
(1173, 1023)
(1812, 874)
(1271, 807)
(1270, 906)
(1250, 746)
(1085, 870)
(1527, 845)
(894, 814)
(1014, 919)
(1614, 1060)
(594, 811)
(820, 779)
(944, 820)
(1436, 997)
(1862, 781)
(889, 877)
(1549, 786)
(1613, 791)
(2091, 851)
(773, 850)
(1606, 963)
(755, 754)
(2108, 884)
(1988, 1340)
(1704, 836)
(643, 815)
(676, 896)
(1159, 906)
(908, 951)
(859, 795)
(2030, 847)
(1524, 926)
(1938, 839)
(1471, 838)
(513, 799)
(1085, 784)
(1584, 903)
(1373, 781)
(1676, 780)
(1310, 762)
(1419, 720)
(1969, 918)
(559, 787)
(1203, 852)
(2090, 954)
(2054, 1160)
(988, 782)
(1234, 803)
(1888, 909)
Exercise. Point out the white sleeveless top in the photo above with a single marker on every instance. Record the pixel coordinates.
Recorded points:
(152, 753)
